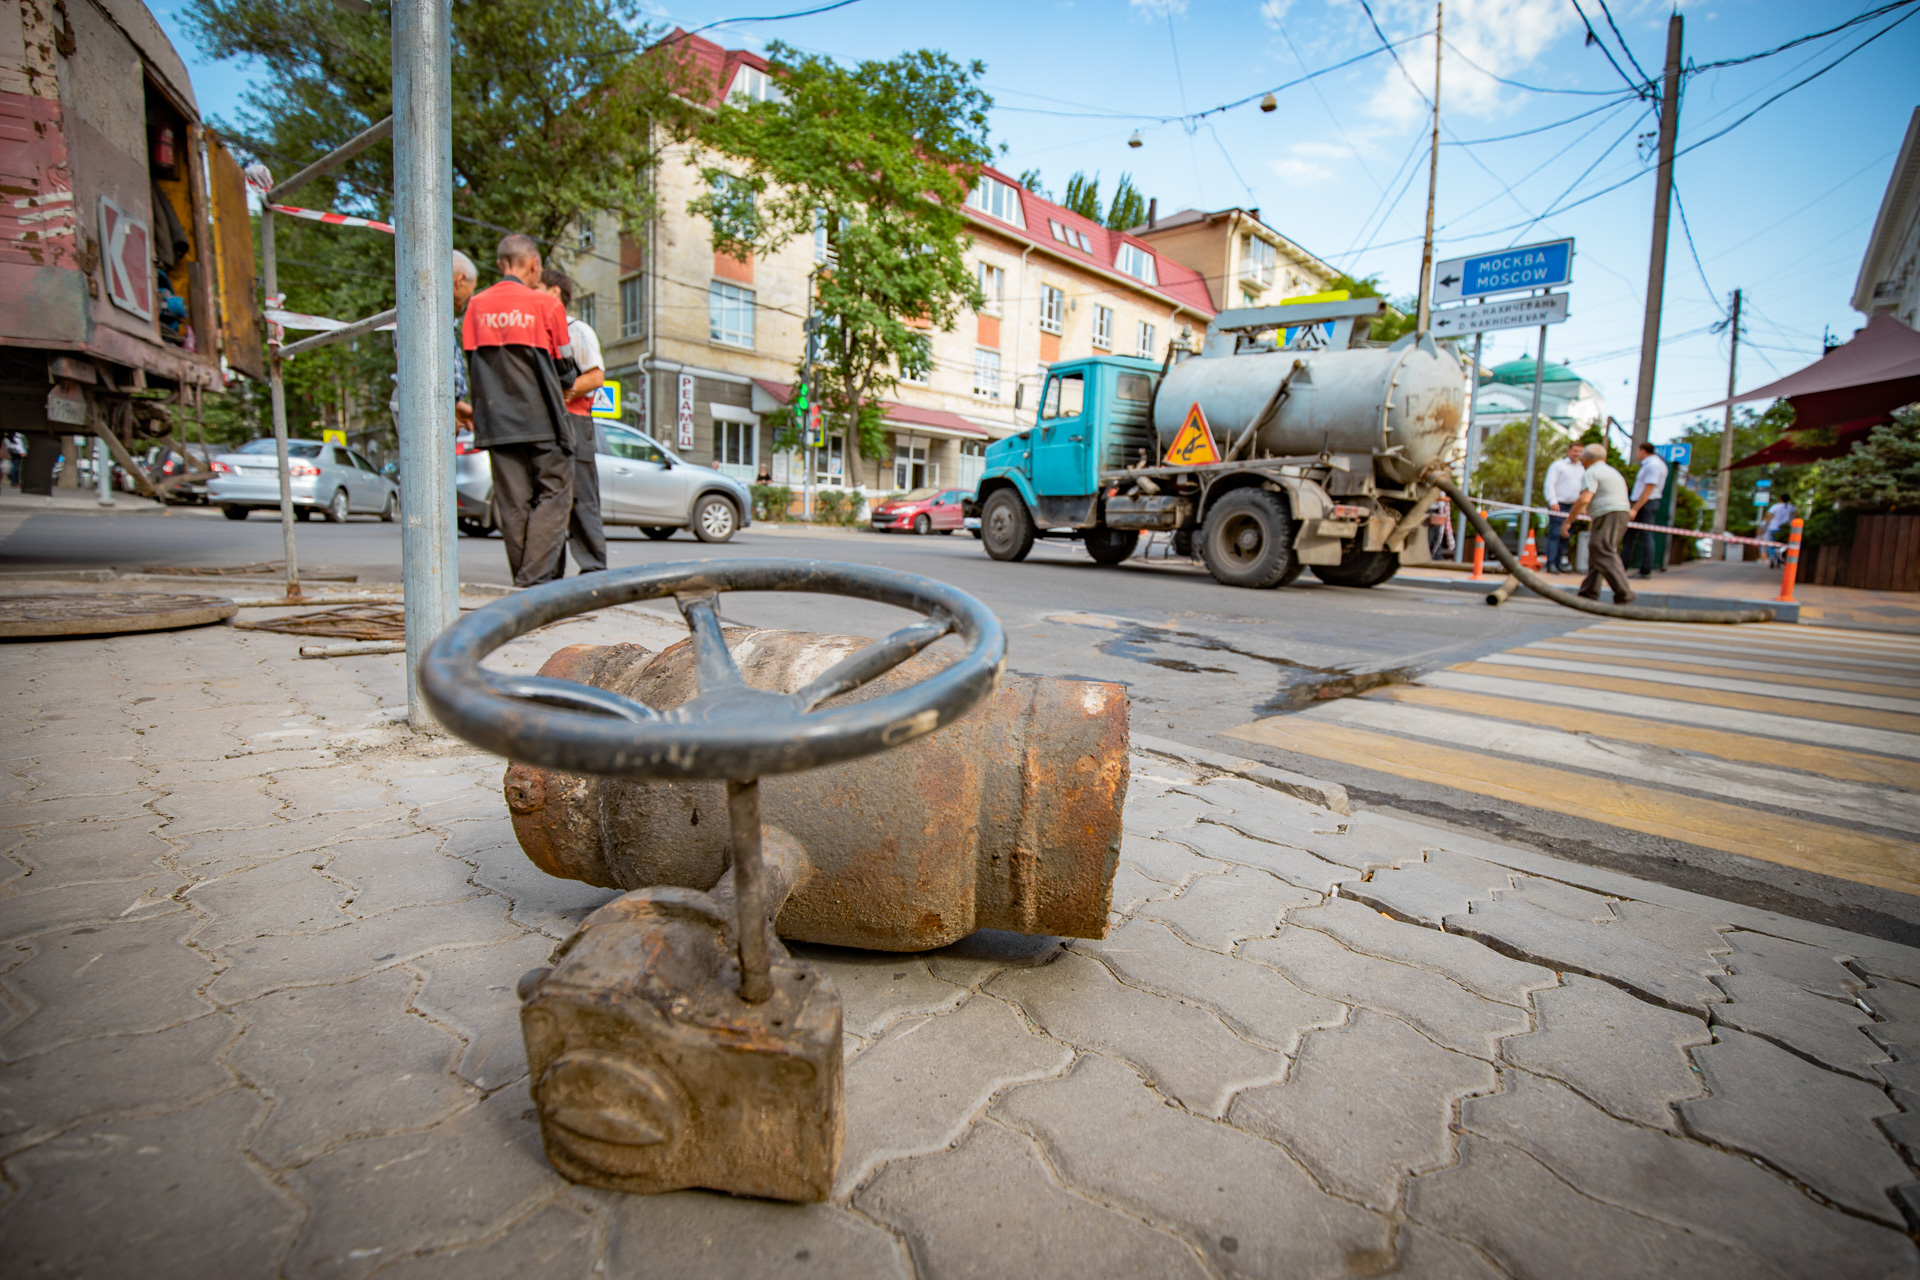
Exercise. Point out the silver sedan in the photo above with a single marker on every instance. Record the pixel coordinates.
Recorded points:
(328, 478)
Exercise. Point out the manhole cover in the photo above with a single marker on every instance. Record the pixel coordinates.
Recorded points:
(79, 614)
(350, 622)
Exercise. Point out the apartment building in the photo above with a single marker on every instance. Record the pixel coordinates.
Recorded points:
(705, 346)
(1244, 262)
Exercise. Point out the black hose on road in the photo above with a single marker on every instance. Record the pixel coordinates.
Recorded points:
(1539, 586)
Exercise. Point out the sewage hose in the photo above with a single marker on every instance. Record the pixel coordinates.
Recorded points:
(1539, 586)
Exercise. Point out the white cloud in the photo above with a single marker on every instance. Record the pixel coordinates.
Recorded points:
(1274, 11)
(1503, 37)
(1301, 173)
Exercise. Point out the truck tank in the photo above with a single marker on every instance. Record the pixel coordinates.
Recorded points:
(1403, 404)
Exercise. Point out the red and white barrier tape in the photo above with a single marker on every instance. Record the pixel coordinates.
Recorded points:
(336, 219)
(1735, 538)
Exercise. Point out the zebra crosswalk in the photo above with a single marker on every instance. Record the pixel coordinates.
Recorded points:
(1795, 745)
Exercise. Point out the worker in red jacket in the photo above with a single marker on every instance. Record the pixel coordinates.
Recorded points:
(513, 334)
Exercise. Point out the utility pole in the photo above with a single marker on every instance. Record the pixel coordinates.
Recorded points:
(1425, 307)
(1657, 259)
(805, 405)
(1723, 484)
(423, 334)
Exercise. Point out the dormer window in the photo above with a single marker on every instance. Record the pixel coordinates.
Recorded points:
(1059, 232)
(751, 84)
(997, 200)
(1136, 262)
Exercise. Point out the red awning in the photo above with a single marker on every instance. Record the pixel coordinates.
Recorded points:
(1788, 451)
(1865, 379)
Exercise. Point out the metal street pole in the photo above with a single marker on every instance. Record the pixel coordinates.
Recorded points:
(806, 411)
(423, 293)
(1533, 435)
(1473, 451)
(1424, 309)
(1657, 259)
(277, 389)
(1723, 483)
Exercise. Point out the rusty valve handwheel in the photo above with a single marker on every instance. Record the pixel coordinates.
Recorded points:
(728, 731)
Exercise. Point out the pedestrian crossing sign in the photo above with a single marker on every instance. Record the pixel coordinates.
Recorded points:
(334, 436)
(606, 400)
(1193, 446)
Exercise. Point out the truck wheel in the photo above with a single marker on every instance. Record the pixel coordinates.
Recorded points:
(1359, 569)
(1005, 527)
(1248, 540)
(1111, 546)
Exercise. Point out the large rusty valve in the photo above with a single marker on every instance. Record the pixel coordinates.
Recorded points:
(665, 1053)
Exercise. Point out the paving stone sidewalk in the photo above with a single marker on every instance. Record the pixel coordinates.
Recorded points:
(257, 1019)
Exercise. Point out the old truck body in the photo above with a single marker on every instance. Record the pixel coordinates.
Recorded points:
(126, 248)
(1322, 443)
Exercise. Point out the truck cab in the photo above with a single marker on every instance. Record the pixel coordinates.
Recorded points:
(1094, 415)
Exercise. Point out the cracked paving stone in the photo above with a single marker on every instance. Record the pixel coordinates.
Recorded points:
(984, 952)
(1536, 1227)
(1362, 841)
(456, 1183)
(1166, 861)
(1625, 1054)
(1295, 866)
(541, 902)
(1602, 951)
(49, 1094)
(1218, 911)
(1188, 1052)
(1815, 1125)
(1132, 889)
(878, 989)
(140, 1198)
(1149, 817)
(1829, 1032)
(557, 1241)
(110, 980)
(288, 895)
(989, 1209)
(1813, 968)
(1702, 1190)
(700, 1235)
(1561, 899)
(1442, 1010)
(1676, 930)
(917, 1088)
(1904, 967)
(1364, 1106)
(219, 853)
(27, 909)
(1248, 1206)
(84, 774)
(1428, 1255)
(398, 871)
(471, 989)
(1899, 1005)
(77, 809)
(1426, 892)
(393, 1072)
(1249, 997)
(399, 937)
(199, 807)
(1473, 965)
(79, 852)
(309, 792)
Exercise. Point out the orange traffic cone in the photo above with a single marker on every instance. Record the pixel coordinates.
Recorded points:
(1529, 558)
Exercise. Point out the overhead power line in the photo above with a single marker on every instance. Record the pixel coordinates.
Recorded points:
(1855, 21)
(775, 17)
(1624, 46)
(1643, 86)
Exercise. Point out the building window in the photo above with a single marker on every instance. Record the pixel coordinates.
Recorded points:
(1248, 298)
(911, 470)
(632, 303)
(586, 235)
(1257, 259)
(820, 235)
(1145, 348)
(973, 463)
(751, 84)
(916, 366)
(1080, 238)
(584, 309)
(997, 199)
(830, 461)
(736, 448)
(730, 314)
(1103, 328)
(1053, 304)
(986, 374)
(1136, 262)
(993, 288)
(1059, 232)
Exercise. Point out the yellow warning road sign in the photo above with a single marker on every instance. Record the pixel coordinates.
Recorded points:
(334, 436)
(1194, 445)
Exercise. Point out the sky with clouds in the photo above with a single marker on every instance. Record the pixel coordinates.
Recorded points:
(1780, 204)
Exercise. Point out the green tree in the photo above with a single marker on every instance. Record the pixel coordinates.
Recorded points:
(1129, 207)
(1401, 313)
(885, 152)
(1753, 430)
(1030, 179)
(1500, 470)
(1083, 195)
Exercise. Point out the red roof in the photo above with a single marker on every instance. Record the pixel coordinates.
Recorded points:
(718, 64)
(1178, 283)
(906, 414)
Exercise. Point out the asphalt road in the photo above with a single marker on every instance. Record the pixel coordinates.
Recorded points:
(1198, 658)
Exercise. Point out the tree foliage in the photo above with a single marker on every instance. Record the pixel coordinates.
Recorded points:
(1752, 431)
(885, 152)
(1083, 195)
(1881, 474)
(1129, 207)
(1031, 180)
(1500, 469)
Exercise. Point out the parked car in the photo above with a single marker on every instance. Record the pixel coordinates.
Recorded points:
(327, 478)
(164, 462)
(923, 511)
(643, 484)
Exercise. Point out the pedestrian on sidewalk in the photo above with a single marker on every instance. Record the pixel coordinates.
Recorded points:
(466, 277)
(1649, 482)
(1563, 490)
(515, 332)
(1779, 516)
(585, 534)
(1603, 497)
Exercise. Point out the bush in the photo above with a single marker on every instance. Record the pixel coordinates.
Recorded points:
(837, 506)
(1499, 472)
(771, 501)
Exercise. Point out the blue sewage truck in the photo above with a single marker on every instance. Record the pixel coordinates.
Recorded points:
(1322, 441)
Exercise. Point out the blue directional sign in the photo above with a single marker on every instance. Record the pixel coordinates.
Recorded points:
(1531, 266)
(1679, 453)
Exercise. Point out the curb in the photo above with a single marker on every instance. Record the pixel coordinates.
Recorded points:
(1652, 599)
(1328, 795)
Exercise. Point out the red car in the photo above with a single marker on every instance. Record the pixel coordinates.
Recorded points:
(923, 511)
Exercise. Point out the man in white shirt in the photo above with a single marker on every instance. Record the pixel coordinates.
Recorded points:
(1779, 517)
(1603, 495)
(586, 537)
(1563, 489)
(1649, 482)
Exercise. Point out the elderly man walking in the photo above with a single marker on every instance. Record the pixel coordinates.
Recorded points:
(585, 533)
(1603, 495)
(1563, 490)
(515, 331)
